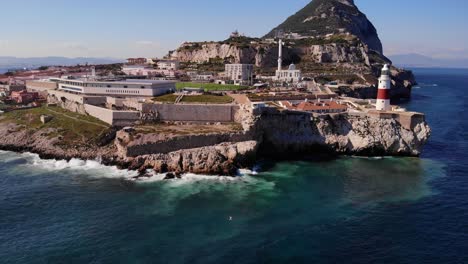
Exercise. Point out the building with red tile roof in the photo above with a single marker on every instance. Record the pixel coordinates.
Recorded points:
(24, 97)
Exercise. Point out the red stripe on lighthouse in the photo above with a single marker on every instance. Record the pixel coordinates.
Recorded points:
(384, 94)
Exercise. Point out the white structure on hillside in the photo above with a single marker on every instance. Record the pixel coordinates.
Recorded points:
(127, 88)
(172, 65)
(241, 74)
(139, 70)
(291, 75)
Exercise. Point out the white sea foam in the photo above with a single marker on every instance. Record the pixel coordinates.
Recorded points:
(188, 178)
(92, 168)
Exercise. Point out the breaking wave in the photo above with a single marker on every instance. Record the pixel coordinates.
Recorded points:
(96, 169)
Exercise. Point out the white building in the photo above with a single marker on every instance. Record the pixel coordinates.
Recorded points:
(139, 70)
(241, 74)
(291, 75)
(172, 65)
(127, 88)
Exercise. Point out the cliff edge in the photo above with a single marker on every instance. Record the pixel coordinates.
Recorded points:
(267, 132)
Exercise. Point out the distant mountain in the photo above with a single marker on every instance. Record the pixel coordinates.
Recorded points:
(323, 17)
(418, 60)
(14, 62)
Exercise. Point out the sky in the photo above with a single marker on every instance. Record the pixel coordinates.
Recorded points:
(150, 28)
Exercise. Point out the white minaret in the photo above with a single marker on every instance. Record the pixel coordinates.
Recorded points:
(383, 97)
(280, 55)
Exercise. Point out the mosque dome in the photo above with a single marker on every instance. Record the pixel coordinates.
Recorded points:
(292, 67)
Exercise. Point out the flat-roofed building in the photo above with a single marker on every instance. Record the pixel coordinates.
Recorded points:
(8, 88)
(241, 74)
(127, 88)
(137, 61)
(139, 70)
(172, 65)
(42, 87)
(291, 75)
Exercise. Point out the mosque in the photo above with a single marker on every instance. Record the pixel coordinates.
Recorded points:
(291, 75)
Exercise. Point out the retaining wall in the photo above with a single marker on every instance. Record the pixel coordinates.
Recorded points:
(128, 146)
(192, 112)
(115, 118)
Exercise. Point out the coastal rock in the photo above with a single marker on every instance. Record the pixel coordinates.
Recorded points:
(301, 133)
(269, 133)
(222, 159)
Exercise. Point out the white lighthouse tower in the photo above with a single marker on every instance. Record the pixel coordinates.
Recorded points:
(280, 55)
(383, 96)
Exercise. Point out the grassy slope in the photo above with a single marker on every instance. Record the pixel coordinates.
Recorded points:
(210, 86)
(72, 127)
(206, 98)
(167, 98)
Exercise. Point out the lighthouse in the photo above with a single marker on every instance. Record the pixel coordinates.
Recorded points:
(383, 96)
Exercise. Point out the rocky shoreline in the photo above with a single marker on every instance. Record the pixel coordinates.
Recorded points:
(268, 133)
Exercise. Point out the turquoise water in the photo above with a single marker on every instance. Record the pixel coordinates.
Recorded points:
(349, 210)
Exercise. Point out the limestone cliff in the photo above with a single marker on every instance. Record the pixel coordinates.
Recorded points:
(268, 132)
(327, 37)
(278, 134)
(301, 133)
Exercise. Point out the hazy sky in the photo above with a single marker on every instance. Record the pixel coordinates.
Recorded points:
(126, 28)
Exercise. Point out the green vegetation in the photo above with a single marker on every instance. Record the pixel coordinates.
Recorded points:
(204, 98)
(213, 65)
(73, 129)
(183, 130)
(314, 23)
(106, 69)
(211, 86)
(167, 98)
(337, 39)
(240, 42)
(207, 98)
(342, 79)
(43, 68)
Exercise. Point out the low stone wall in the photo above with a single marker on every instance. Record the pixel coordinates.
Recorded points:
(192, 112)
(133, 145)
(81, 99)
(115, 118)
(408, 120)
(42, 88)
(63, 96)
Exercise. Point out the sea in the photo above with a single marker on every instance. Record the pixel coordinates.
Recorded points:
(346, 210)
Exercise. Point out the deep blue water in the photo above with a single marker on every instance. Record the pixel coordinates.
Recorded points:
(350, 210)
